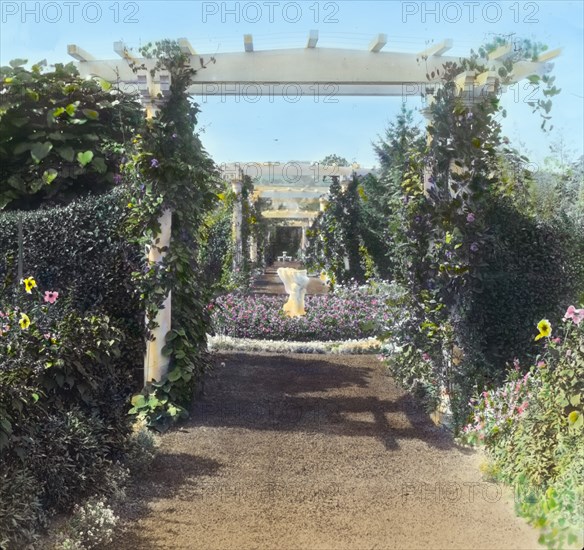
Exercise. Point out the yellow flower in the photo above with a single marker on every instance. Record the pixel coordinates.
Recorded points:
(29, 284)
(545, 329)
(24, 321)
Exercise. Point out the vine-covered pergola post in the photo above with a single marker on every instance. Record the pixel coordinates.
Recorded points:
(155, 362)
(237, 186)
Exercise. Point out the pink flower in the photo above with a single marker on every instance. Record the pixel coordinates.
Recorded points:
(576, 315)
(51, 297)
(556, 340)
(426, 356)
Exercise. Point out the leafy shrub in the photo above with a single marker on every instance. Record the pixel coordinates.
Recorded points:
(328, 317)
(68, 456)
(21, 510)
(536, 445)
(526, 256)
(141, 449)
(55, 359)
(60, 135)
(63, 397)
(81, 252)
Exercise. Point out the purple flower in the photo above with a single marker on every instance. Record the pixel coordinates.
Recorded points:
(174, 136)
(154, 163)
(474, 247)
(117, 178)
(470, 217)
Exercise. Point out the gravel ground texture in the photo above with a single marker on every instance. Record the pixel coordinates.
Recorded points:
(314, 452)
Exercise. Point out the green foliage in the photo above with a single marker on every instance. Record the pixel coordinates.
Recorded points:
(335, 235)
(537, 447)
(480, 269)
(60, 134)
(329, 160)
(171, 170)
(81, 252)
(216, 255)
(21, 510)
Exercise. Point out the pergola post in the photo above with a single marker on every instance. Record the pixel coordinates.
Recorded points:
(253, 249)
(304, 239)
(427, 168)
(155, 363)
(236, 185)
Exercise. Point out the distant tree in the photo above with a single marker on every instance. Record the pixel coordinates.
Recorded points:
(334, 159)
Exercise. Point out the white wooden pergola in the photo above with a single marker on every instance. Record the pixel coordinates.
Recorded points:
(308, 71)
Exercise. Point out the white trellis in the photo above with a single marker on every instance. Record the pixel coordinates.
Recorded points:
(308, 71)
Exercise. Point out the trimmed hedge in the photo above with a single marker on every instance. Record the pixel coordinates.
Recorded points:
(534, 270)
(81, 252)
(67, 376)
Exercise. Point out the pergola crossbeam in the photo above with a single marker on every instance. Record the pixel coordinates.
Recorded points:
(185, 47)
(547, 56)
(309, 71)
(377, 44)
(79, 53)
(248, 42)
(312, 39)
(437, 49)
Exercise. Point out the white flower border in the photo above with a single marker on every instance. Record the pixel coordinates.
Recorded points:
(228, 343)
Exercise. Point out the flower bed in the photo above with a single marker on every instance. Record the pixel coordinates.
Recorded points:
(328, 318)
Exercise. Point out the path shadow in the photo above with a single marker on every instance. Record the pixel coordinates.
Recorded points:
(312, 394)
(170, 476)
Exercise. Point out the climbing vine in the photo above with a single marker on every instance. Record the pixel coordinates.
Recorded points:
(453, 198)
(171, 170)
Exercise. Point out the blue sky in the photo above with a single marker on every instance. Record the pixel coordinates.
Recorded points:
(279, 130)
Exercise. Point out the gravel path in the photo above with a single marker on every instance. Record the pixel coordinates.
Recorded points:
(314, 452)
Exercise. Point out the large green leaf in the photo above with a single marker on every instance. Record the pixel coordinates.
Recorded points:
(20, 121)
(67, 153)
(49, 175)
(40, 150)
(99, 165)
(85, 158)
(91, 114)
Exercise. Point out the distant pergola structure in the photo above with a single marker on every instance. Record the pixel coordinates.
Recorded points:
(284, 183)
(308, 71)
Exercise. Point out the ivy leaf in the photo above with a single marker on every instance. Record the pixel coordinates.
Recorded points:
(20, 121)
(91, 114)
(100, 165)
(174, 375)
(49, 175)
(67, 153)
(40, 150)
(138, 401)
(85, 158)
(22, 147)
(104, 84)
